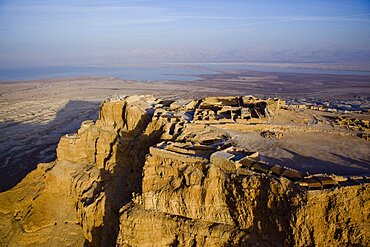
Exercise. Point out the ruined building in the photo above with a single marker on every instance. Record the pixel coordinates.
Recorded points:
(151, 172)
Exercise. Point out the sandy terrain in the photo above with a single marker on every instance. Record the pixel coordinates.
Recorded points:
(35, 114)
(309, 143)
(313, 152)
(288, 85)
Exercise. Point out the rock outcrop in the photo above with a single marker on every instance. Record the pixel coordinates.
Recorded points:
(115, 147)
(101, 165)
(245, 207)
(361, 126)
(40, 211)
(144, 174)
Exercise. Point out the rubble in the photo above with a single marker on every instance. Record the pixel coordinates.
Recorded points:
(361, 126)
(232, 158)
(271, 134)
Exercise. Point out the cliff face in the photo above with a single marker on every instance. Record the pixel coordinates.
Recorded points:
(96, 172)
(206, 204)
(202, 192)
(115, 148)
(40, 211)
(117, 182)
(334, 218)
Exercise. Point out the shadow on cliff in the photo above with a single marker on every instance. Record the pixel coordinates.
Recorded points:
(276, 204)
(347, 167)
(35, 143)
(270, 205)
(124, 180)
(275, 212)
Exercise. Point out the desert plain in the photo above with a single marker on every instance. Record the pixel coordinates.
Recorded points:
(35, 114)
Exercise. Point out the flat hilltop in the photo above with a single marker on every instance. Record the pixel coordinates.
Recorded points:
(35, 114)
(213, 171)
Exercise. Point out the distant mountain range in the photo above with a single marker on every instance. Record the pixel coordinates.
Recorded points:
(338, 55)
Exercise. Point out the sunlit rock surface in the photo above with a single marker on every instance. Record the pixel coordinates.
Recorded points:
(162, 173)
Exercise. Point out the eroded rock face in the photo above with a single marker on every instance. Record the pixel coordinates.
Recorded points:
(101, 165)
(182, 196)
(336, 217)
(150, 228)
(209, 192)
(121, 141)
(111, 186)
(40, 211)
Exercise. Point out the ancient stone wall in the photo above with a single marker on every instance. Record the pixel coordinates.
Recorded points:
(275, 210)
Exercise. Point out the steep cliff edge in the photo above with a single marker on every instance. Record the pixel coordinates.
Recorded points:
(157, 173)
(116, 145)
(40, 211)
(95, 174)
(181, 198)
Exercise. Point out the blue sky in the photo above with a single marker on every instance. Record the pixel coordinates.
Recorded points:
(56, 32)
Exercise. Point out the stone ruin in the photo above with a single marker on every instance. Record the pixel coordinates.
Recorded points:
(220, 110)
(153, 171)
(271, 134)
(237, 160)
(362, 126)
(235, 109)
(208, 146)
(214, 110)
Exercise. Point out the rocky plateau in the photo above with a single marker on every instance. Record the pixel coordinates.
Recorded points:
(152, 172)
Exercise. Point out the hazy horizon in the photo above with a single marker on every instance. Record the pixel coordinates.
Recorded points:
(45, 32)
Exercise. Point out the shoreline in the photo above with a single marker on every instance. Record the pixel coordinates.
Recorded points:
(191, 71)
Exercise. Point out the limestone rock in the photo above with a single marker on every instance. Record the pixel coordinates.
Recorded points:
(208, 192)
(146, 174)
(336, 217)
(149, 228)
(271, 134)
(40, 211)
(177, 190)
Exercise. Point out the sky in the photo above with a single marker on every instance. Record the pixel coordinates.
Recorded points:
(96, 32)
